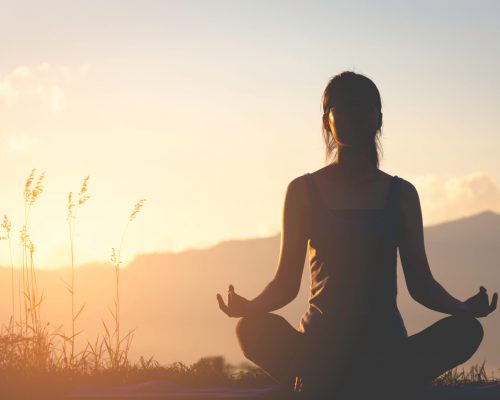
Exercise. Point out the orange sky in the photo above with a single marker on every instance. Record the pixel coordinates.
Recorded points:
(209, 112)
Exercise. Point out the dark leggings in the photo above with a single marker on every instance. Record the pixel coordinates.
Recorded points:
(279, 349)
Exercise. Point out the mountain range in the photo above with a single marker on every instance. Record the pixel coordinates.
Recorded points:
(170, 298)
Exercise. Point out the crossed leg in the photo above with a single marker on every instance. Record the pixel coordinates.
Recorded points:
(272, 343)
(278, 348)
(440, 347)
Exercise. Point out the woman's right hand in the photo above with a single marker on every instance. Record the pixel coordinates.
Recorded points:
(479, 304)
(237, 306)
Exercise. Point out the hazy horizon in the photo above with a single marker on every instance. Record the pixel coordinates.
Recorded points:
(105, 263)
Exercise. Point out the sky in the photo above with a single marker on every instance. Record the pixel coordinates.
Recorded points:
(208, 109)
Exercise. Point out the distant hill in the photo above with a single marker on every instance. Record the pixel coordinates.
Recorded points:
(170, 297)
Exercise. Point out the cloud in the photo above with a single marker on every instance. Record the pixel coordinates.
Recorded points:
(56, 99)
(445, 199)
(19, 142)
(267, 229)
(43, 85)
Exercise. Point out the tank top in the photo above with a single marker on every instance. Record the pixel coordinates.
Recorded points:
(352, 262)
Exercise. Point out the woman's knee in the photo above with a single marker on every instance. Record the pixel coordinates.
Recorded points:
(470, 331)
(252, 324)
(251, 329)
(471, 328)
(244, 329)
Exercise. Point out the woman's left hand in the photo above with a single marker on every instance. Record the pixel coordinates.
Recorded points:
(237, 306)
(479, 305)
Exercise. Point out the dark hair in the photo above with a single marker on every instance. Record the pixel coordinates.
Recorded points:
(351, 96)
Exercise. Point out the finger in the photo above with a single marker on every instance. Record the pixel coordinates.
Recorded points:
(221, 301)
(230, 294)
(494, 301)
(482, 289)
(222, 305)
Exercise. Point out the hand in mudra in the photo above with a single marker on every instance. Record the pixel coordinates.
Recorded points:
(479, 304)
(237, 306)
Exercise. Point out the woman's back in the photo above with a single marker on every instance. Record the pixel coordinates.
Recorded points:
(340, 190)
(352, 321)
(353, 256)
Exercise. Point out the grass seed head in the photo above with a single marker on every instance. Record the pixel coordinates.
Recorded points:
(82, 197)
(37, 190)
(71, 205)
(6, 225)
(27, 185)
(24, 236)
(115, 257)
(137, 208)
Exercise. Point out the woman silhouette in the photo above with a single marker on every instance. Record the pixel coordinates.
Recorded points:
(354, 217)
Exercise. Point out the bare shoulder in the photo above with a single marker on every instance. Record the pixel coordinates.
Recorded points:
(320, 174)
(408, 190)
(297, 191)
(408, 196)
(383, 176)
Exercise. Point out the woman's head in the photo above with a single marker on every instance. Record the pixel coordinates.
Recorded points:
(352, 115)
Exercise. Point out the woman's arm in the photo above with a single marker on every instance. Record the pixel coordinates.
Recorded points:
(285, 285)
(421, 284)
(419, 279)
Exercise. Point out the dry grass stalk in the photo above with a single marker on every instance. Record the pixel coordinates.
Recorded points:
(117, 346)
(7, 226)
(72, 210)
(27, 344)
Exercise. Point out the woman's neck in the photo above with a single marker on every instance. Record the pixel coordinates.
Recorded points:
(352, 162)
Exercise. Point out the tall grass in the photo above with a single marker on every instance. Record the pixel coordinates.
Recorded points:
(460, 376)
(31, 325)
(6, 226)
(29, 344)
(117, 347)
(73, 207)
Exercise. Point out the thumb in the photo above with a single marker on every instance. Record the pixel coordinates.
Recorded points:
(494, 301)
(231, 288)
